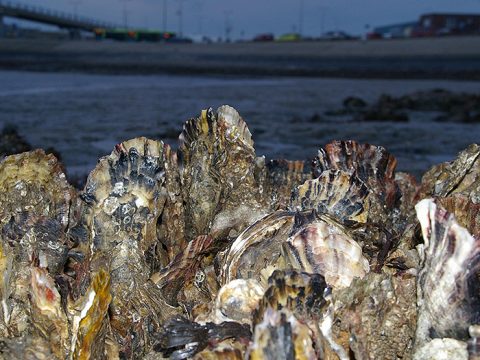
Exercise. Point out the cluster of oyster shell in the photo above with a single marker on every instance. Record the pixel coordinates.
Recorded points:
(210, 252)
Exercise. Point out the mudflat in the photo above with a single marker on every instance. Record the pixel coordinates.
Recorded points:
(436, 58)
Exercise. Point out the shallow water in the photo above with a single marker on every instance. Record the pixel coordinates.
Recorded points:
(83, 116)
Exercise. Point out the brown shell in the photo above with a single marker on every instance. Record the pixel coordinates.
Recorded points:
(124, 199)
(299, 292)
(459, 176)
(323, 247)
(35, 203)
(183, 269)
(371, 164)
(281, 177)
(257, 251)
(281, 336)
(375, 317)
(334, 192)
(465, 211)
(218, 176)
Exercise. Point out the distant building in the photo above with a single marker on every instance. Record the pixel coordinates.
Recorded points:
(434, 24)
(396, 31)
(448, 24)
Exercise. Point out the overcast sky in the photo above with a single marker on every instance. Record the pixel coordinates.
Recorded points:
(250, 17)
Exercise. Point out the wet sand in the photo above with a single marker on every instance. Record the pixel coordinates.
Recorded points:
(440, 58)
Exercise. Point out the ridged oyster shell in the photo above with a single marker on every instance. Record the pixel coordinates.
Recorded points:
(35, 201)
(124, 199)
(323, 248)
(335, 192)
(448, 300)
(218, 177)
(461, 176)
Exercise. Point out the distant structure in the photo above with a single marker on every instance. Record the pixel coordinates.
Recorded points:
(448, 24)
(396, 31)
(63, 20)
(434, 24)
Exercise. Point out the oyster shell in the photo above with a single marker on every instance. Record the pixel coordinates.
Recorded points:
(257, 251)
(35, 202)
(281, 336)
(124, 198)
(371, 164)
(48, 316)
(375, 317)
(447, 297)
(442, 349)
(181, 338)
(285, 324)
(184, 269)
(279, 178)
(334, 192)
(301, 293)
(322, 247)
(237, 300)
(218, 176)
(459, 176)
(90, 320)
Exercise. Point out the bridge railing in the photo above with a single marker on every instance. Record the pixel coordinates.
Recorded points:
(54, 13)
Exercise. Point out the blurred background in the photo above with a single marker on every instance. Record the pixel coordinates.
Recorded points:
(79, 76)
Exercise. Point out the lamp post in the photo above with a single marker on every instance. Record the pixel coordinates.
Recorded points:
(75, 4)
(164, 16)
(300, 17)
(180, 17)
(125, 13)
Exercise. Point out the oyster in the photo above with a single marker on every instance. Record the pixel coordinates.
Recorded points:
(257, 251)
(301, 293)
(218, 176)
(279, 178)
(285, 324)
(443, 349)
(124, 198)
(375, 317)
(237, 300)
(90, 320)
(371, 164)
(322, 247)
(334, 192)
(447, 297)
(184, 269)
(35, 202)
(281, 336)
(181, 339)
(232, 256)
(459, 176)
(49, 317)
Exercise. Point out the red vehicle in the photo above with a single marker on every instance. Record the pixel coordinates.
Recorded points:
(264, 37)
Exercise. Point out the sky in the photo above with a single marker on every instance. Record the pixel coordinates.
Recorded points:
(246, 18)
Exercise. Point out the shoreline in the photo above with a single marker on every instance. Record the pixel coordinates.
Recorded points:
(442, 58)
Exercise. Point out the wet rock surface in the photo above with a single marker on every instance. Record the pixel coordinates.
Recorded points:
(445, 106)
(212, 252)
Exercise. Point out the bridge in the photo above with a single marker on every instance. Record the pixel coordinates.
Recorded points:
(52, 17)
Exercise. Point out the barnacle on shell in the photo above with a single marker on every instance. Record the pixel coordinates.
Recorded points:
(124, 199)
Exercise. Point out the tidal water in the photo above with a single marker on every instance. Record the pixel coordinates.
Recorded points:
(83, 116)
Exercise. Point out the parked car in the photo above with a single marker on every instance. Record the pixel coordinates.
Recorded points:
(290, 37)
(264, 37)
(337, 35)
(374, 36)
